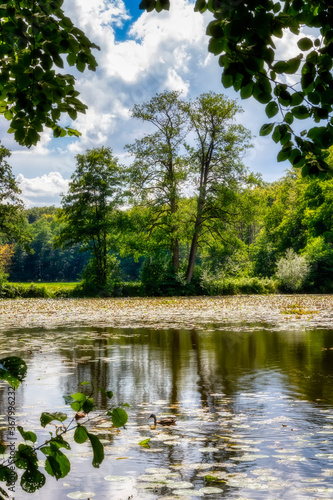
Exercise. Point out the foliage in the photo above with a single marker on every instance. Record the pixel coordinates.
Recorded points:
(292, 270)
(57, 464)
(35, 37)
(88, 215)
(319, 254)
(12, 221)
(244, 35)
(216, 167)
(90, 283)
(215, 284)
(6, 254)
(42, 261)
(157, 276)
(157, 173)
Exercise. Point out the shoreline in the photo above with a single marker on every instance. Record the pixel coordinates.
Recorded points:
(220, 312)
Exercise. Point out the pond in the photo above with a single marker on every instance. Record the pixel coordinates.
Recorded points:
(253, 409)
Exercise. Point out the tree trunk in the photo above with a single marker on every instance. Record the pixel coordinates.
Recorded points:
(192, 256)
(195, 237)
(175, 255)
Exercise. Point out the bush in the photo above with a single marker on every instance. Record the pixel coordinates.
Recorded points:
(242, 286)
(157, 277)
(12, 291)
(90, 284)
(319, 254)
(292, 270)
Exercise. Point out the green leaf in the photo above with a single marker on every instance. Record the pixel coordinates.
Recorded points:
(144, 442)
(296, 98)
(59, 442)
(80, 434)
(283, 155)
(76, 406)
(200, 6)
(280, 67)
(227, 79)
(216, 45)
(247, 91)
(32, 137)
(71, 59)
(300, 112)
(25, 457)
(56, 464)
(79, 396)
(7, 474)
(88, 405)
(27, 435)
(289, 118)
(98, 450)
(46, 417)
(271, 109)
(32, 480)
(293, 65)
(305, 43)
(12, 370)
(119, 417)
(266, 129)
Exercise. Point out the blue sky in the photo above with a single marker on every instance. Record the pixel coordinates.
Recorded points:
(141, 54)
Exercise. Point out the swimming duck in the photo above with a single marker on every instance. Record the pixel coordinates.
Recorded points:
(80, 414)
(163, 421)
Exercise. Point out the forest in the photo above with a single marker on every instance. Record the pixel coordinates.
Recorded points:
(184, 217)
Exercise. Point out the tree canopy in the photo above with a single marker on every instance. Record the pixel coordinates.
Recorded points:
(244, 34)
(35, 37)
(94, 193)
(12, 220)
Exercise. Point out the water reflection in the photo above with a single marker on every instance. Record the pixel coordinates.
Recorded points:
(253, 408)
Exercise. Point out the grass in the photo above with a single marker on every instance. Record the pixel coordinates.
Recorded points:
(49, 286)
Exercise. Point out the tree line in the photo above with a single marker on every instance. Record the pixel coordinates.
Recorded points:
(185, 214)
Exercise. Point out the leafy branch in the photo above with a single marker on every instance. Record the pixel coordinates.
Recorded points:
(57, 464)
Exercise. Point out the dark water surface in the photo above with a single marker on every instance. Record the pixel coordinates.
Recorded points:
(253, 408)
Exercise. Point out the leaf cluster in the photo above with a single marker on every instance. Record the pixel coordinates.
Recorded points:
(57, 464)
(36, 37)
(244, 37)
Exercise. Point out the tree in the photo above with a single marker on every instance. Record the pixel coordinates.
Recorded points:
(35, 35)
(243, 34)
(216, 165)
(157, 173)
(13, 225)
(89, 206)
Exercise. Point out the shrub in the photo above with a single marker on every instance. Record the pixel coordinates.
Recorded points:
(90, 284)
(319, 254)
(292, 270)
(235, 286)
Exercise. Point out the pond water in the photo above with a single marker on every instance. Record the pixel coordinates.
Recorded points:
(253, 409)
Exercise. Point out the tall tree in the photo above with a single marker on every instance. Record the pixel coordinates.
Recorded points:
(35, 36)
(13, 226)
(244, 35)
(157, 172)
(216, 166)
(89, 206)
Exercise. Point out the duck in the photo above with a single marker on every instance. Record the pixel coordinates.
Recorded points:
(163, 421)
(80, 414)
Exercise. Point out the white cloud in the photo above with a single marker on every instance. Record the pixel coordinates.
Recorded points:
(43, 190)
(165, 51)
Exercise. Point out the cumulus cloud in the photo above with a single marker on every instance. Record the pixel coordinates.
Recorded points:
(43, 190)
(153, 52)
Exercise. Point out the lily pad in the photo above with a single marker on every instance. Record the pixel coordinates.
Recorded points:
(118, 479)
(210, 490)
(81, 495)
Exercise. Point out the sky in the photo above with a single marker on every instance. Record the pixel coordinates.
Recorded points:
(141, 54)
